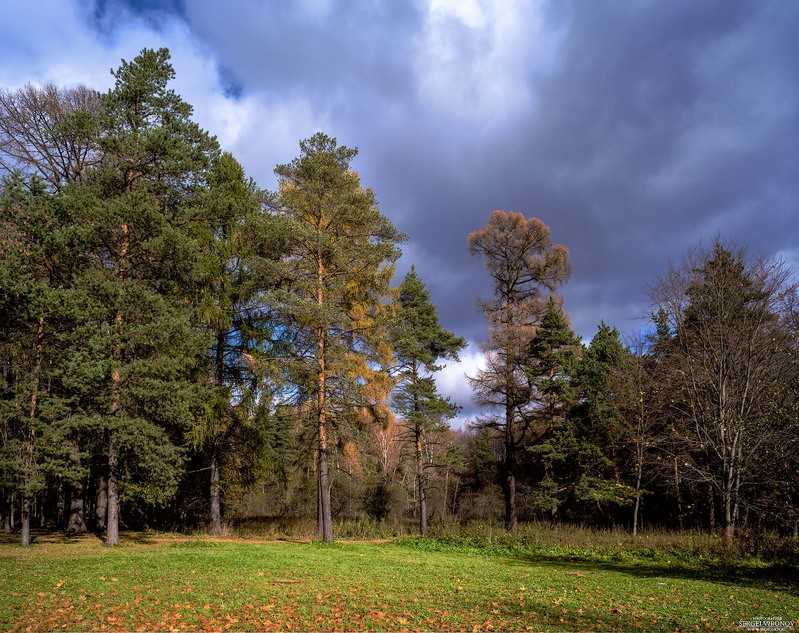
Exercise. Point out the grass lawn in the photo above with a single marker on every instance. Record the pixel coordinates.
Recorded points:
(203, 585)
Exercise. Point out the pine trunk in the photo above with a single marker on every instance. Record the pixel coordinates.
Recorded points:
(216, 512)
(216, 504)
(112, 524)
(325, 512)
(31, 435)
(420, 479)
(77, 505)
(25, 537)
(112, 530)
(101, 505)
(60, 505)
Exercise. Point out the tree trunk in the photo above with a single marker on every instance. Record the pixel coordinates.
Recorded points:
(420, 480)
(509, 483)
(101, 505)
(60, 505)
(216, 505)
(77, 524)
(712, 501)
(509, 488)
(446, 495)
(25, 537)
(637, 502)
(677, 494)
(216, 513)
(7, 509)
(29, 460)
(112, 529)
(325, 512)
(728, 516)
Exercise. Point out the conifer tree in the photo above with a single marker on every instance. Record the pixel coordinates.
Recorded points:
(523, 263)
(550, 366)
(340, 260)
(420, 344)
(227, 290)
(141, 348)
(38, 305)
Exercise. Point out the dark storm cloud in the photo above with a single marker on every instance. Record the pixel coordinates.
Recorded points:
(632, 129)
(660, 124)
(663, 126)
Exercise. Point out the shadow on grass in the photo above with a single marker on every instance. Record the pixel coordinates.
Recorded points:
(48, 536)
(773, 576)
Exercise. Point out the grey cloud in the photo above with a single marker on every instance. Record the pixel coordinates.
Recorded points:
(648, 126)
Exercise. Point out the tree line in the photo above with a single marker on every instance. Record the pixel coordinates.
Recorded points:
(178, 345)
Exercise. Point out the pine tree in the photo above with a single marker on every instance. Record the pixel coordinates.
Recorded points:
(420, 344)
(138, 204)
(340, 262)
(38, 304)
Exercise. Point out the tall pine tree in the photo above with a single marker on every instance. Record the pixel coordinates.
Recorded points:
(137, 377)
(341, 254)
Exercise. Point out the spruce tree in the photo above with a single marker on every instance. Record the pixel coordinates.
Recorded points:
(420, 344)
(38, 306)
(550, 366)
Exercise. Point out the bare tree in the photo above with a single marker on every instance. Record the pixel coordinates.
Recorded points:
(524, 264)
(727, 351)
(50, 131)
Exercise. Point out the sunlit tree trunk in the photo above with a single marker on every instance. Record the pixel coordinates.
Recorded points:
(112, 523)
(325, 512)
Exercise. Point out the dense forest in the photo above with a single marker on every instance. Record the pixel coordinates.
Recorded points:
(183, 350)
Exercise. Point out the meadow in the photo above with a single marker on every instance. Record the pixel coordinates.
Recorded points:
(478, 580)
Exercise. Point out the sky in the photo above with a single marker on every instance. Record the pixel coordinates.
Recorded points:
(634, 130)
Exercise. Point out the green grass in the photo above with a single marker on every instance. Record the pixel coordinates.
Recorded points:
(427, 584)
